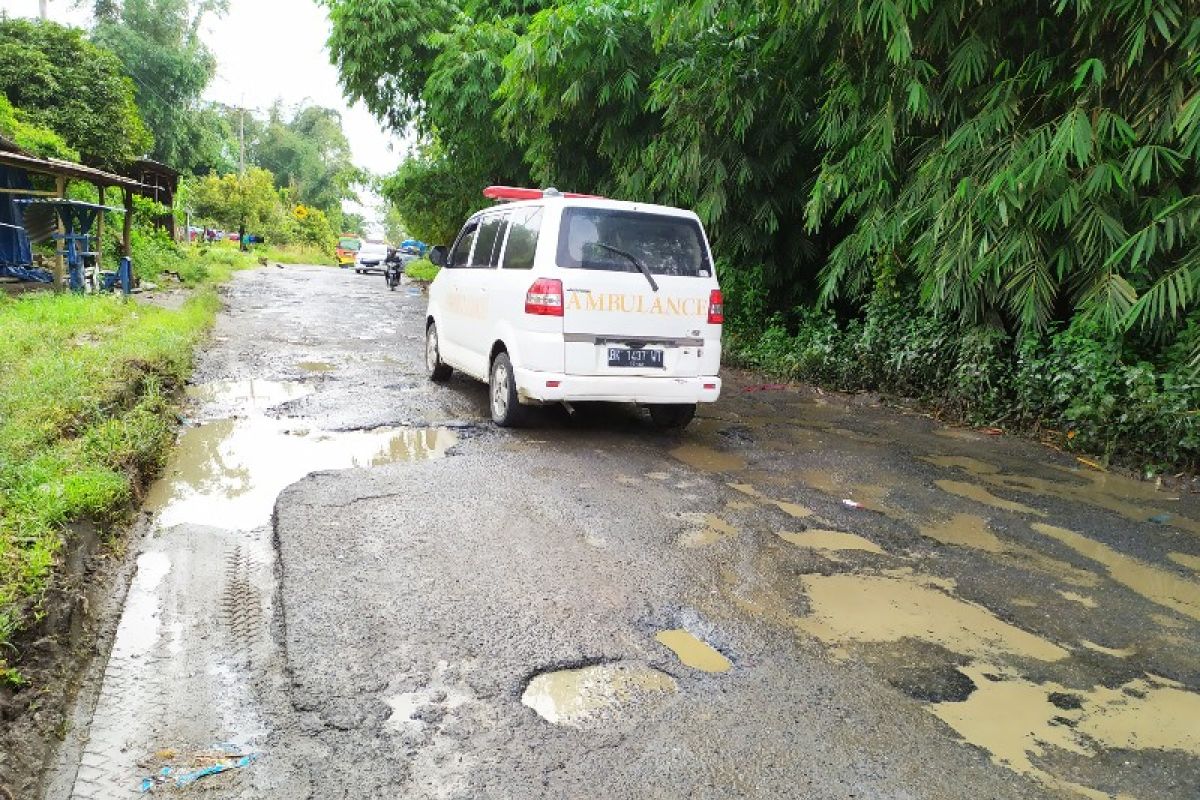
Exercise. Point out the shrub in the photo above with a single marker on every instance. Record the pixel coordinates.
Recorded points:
(421, 270)
(1075, 383)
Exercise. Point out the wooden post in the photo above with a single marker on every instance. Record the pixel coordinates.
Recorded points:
(60, 260)
(127, 232)
(100, 230)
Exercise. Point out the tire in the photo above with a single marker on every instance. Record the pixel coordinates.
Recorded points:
(672, 416)
(507, 411)
(439, 372)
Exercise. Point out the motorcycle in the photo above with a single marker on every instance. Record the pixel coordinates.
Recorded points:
(393, 268)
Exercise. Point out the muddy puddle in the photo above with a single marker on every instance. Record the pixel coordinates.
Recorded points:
(248, 395)
(228, 472)
(1155, 584)
(787, 507)
(316, 366)
(819, 539)
(596, 694)
(1138, 501)
(707, 459)
(693, 651)
(854, 494)
(1019, 722)
(847, 608)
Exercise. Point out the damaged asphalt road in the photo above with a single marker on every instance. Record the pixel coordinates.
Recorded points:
(803, 595)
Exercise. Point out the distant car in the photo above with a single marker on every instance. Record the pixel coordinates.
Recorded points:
(347, 249)
(370, 257)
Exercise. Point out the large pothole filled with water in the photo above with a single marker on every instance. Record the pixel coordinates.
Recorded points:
(227, 472)
(599, 693)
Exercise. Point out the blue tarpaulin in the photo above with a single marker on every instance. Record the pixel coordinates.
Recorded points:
(14, 243)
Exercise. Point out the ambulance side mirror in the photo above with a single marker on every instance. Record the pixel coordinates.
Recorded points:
(437, 256)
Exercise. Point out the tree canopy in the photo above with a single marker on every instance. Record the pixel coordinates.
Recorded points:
(159, 45)
(1008, 163)
(61, 81)
(308, 154)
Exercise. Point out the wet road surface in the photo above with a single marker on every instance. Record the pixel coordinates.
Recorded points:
(353, 587)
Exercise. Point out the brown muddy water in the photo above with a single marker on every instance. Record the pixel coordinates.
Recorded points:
(693, 652)
(1061, 642)
(599, 693)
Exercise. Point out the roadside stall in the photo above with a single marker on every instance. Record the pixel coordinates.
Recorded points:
(34, 208)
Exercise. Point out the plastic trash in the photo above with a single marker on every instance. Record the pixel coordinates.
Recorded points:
(213, 769)
(234, 760)
(848, 503)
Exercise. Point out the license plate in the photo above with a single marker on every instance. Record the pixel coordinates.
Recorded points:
(621, 357)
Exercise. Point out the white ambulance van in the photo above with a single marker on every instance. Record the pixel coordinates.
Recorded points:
(559, 298)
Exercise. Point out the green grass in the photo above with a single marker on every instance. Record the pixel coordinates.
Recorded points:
(421, 270)
(295, 254)
(195, 264)
(87, 415)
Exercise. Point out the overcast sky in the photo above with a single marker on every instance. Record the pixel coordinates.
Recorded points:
(268, 50)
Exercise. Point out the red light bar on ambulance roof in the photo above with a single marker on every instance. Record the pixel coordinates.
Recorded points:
(517, 193)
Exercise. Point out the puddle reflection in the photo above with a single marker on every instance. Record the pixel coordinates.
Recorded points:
(227, 473)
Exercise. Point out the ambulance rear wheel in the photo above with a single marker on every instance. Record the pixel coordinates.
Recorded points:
(672, 416)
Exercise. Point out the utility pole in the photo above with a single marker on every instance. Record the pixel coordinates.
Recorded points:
(242, 167)
(44, 9)
(241, 137)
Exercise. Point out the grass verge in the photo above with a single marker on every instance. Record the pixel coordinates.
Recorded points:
(295, 254)
(87, 415)
(421, 270)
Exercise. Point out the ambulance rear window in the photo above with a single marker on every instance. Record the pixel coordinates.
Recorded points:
(604, 239)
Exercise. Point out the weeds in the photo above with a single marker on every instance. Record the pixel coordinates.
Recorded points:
(86, 415)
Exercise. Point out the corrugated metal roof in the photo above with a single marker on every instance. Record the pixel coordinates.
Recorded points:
(56, 166)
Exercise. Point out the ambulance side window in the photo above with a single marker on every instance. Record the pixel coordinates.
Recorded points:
(487, 245)
(460, 254)
(523, 238)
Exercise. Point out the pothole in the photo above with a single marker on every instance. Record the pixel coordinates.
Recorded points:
(253, 394)
(599, 693)
(694, 652)
(228, 472)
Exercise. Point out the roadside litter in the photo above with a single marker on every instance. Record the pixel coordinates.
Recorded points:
(222, 759)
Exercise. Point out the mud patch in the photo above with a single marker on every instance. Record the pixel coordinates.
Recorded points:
(1135, 500)
(791, 509)
(706, 459)
(597, 694)
(865, 608)
(1019, 721)
(694, 652)
(1186, 560)
(1155, 584)
(831, 540)
(858, 495)
(964, 530)
(316, 366)
(981, 494)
